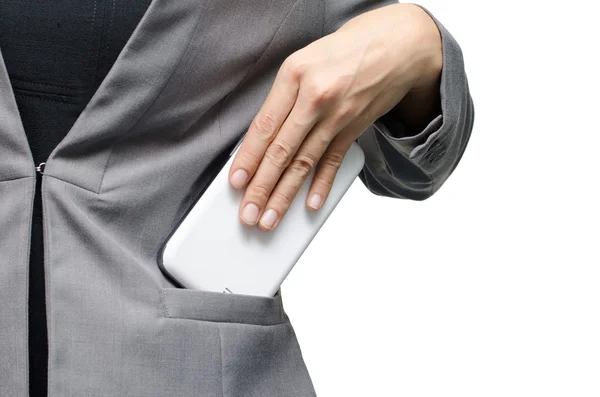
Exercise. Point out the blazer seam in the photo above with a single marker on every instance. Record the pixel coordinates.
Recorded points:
(221, 357)
(16, 179)
(163, 301)
(168, 80)
(71, 183)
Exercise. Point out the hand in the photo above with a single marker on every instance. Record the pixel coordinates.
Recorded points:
(323, 98)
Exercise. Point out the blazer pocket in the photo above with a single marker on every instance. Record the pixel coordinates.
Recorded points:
(250, 340)
(222, 307)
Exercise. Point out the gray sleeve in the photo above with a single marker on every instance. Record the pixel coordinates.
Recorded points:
(416, 166)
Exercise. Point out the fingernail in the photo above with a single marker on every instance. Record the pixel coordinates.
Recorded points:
(250, 213)
(238, 179)
(315, 201)
(268, 219)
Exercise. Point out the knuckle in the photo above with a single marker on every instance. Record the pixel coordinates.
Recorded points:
(283, 200)
(323, 138)
(332, 160)
(321, 93)
(302, 164)
(345, 113)
(302, 122)
(249, 160)
(295, 64)
(323, 182)
(278, 154)
(266, 125)
(259, 194)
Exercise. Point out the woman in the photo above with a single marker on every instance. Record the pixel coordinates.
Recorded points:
(122, 114)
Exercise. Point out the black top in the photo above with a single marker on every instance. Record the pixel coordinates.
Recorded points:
(57, 53)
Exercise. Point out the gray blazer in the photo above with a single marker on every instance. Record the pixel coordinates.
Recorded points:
(185, 87)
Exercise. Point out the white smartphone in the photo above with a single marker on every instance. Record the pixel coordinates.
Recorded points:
(212, 250)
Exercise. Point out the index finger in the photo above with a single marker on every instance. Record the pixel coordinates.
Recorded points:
(264, 128)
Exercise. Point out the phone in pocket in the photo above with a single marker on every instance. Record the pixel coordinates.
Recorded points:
(211, 250)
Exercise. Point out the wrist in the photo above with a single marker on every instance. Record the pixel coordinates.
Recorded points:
(428, 49)
(422, 101)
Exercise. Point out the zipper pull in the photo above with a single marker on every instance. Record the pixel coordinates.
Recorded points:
(40, 168)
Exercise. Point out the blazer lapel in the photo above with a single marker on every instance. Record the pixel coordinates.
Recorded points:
(137, 78)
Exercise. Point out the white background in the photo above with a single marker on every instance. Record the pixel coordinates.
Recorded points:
(492, 286)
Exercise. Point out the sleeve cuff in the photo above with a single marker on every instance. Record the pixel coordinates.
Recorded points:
(430, 144)
(395, 133)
